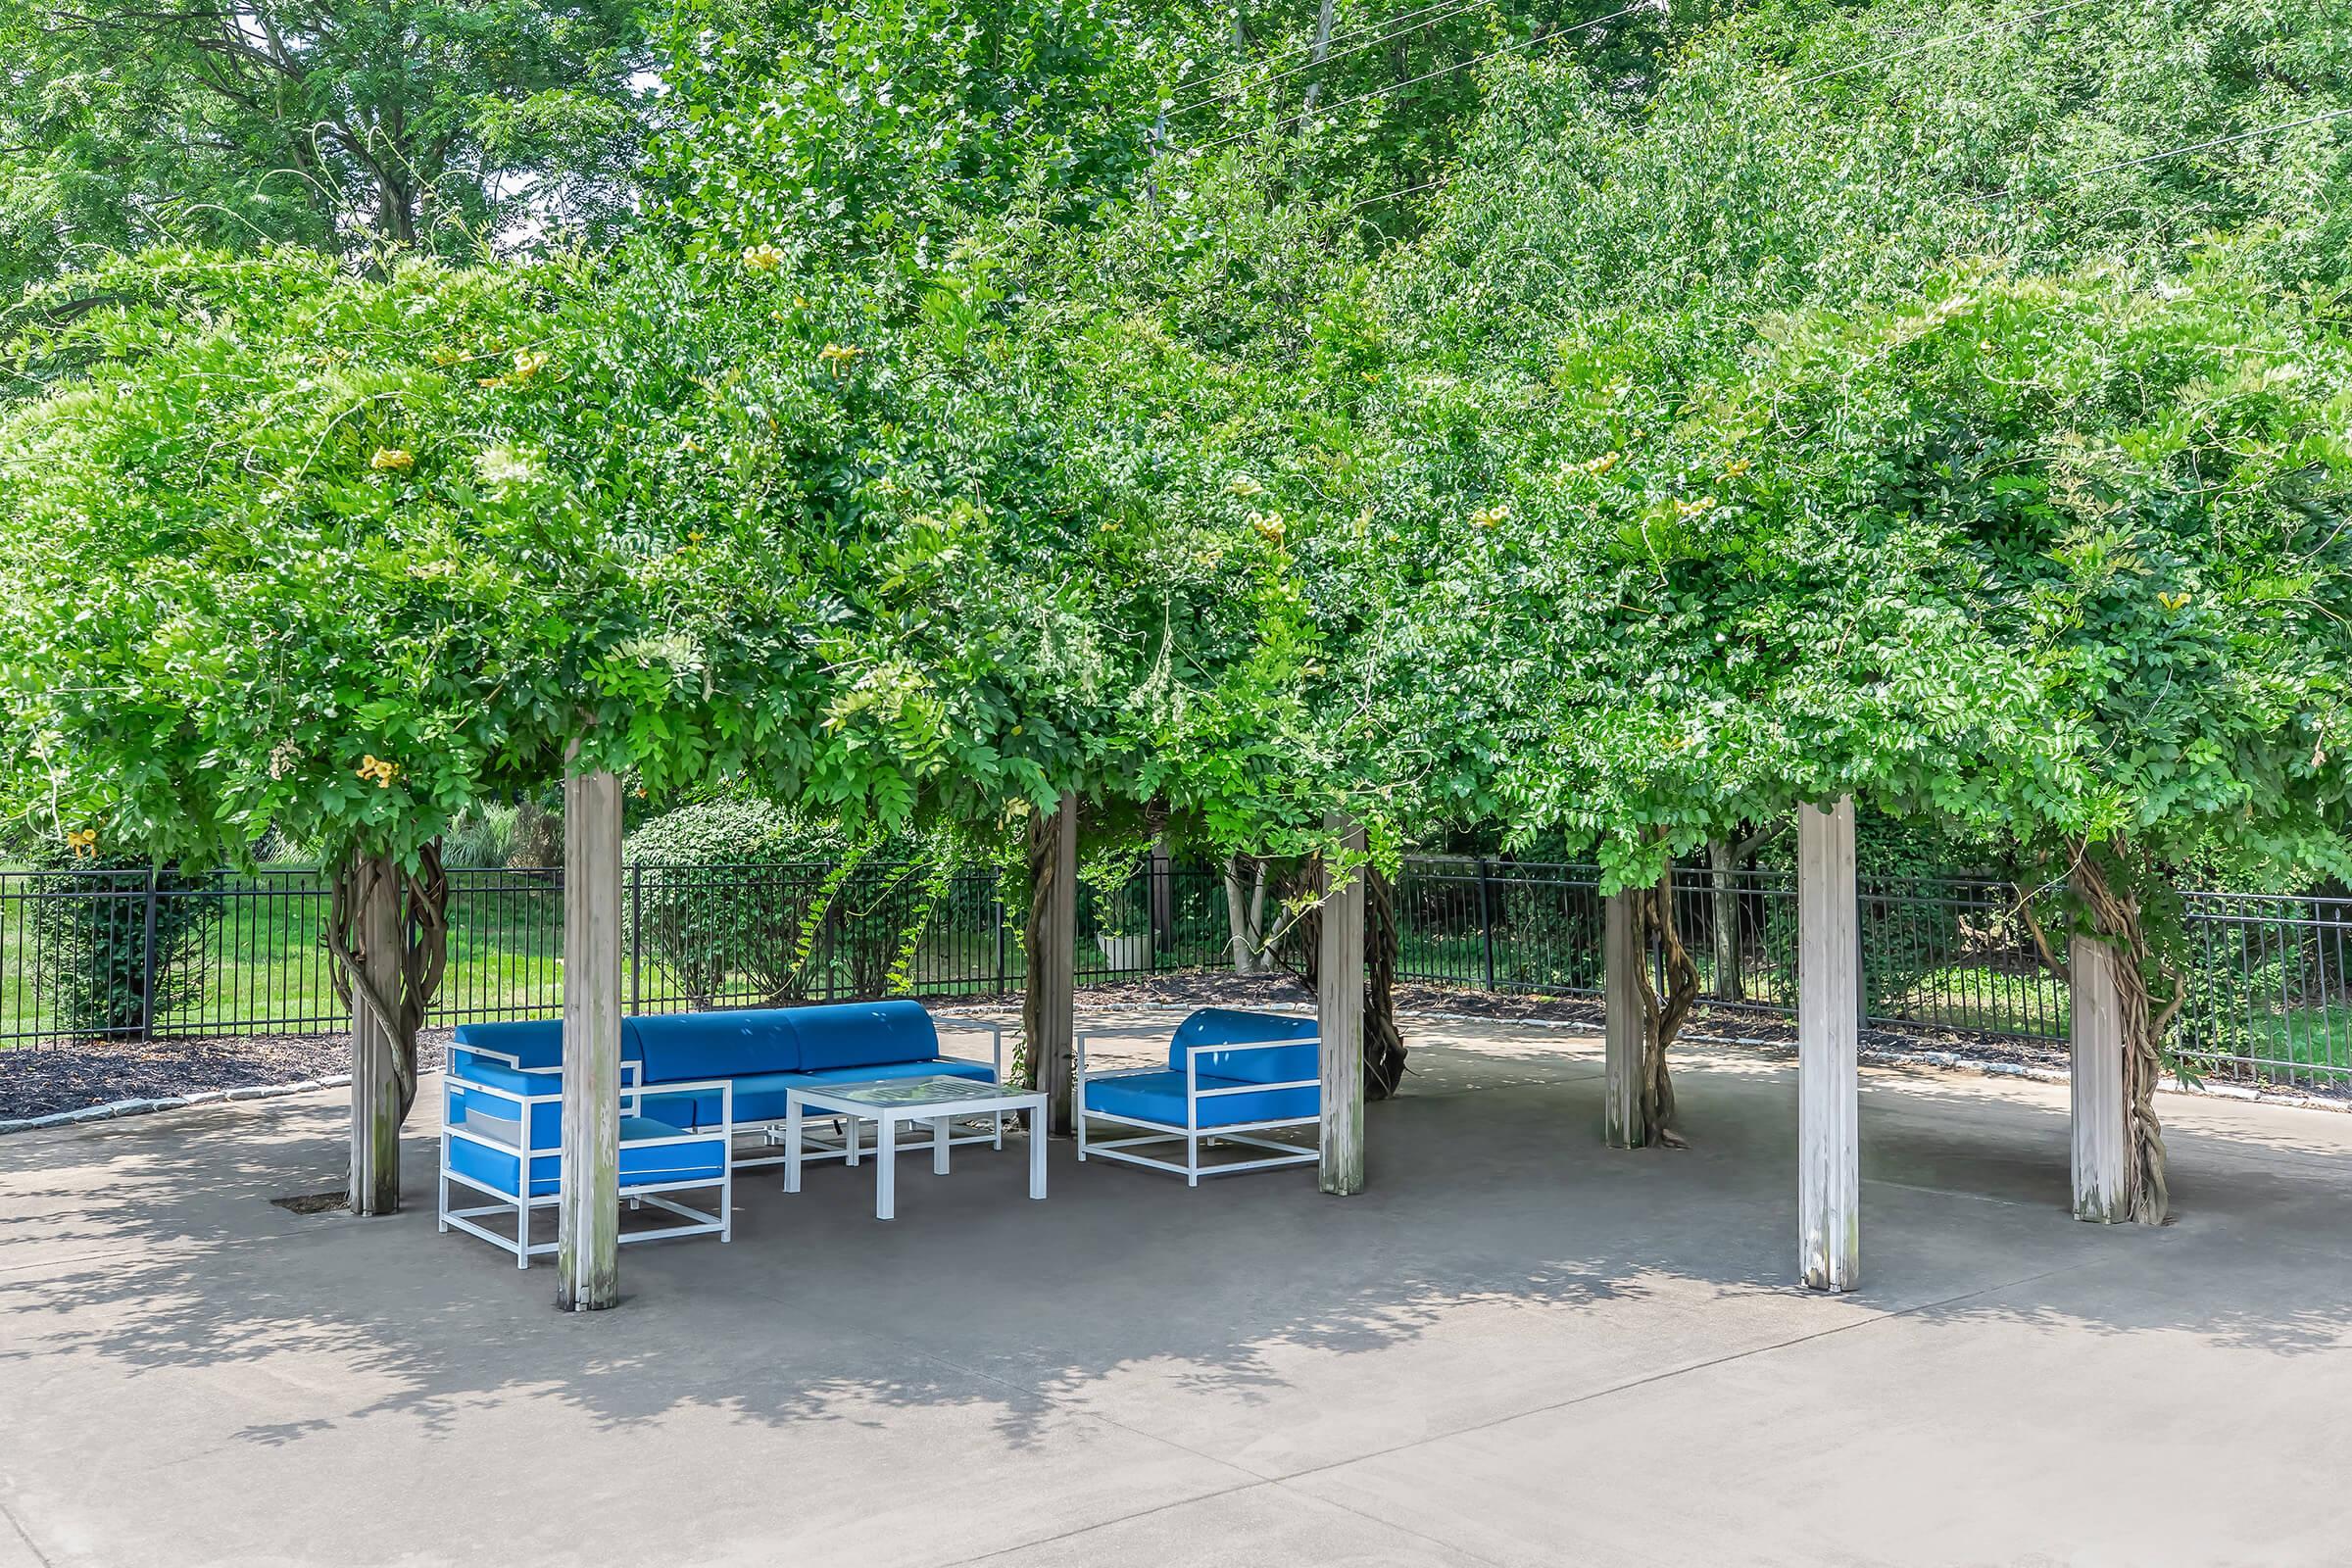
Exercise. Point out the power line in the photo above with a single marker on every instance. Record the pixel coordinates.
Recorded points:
(1441, 70)
(1937, 43)
(1460, 8)
(1305, 48)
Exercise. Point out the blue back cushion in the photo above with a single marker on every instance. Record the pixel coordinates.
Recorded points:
(864, 1034)
(1224, 1026)
(679, 1047)
(536, 1042)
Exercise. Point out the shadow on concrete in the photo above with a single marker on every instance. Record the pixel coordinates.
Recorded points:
(1498, 1239)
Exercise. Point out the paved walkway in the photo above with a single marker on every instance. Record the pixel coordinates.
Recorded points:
(1517, 1347)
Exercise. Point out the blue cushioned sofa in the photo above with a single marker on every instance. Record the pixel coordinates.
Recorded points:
(676, 1064)
(1231, 1075)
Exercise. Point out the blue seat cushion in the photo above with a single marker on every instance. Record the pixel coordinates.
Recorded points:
(1160, 1096)
(1219, 1026)
(496, 1169)
(760, 1096)
(682, 1046)
(864, 1034)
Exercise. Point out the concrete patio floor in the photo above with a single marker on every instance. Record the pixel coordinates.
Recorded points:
(1516, 1348)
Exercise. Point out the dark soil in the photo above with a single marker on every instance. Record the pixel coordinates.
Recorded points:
(40, 1080)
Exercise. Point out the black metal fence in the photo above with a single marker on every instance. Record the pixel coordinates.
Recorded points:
(2269, 991)
(136, 954)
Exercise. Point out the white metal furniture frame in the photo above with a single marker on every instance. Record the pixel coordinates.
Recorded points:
(521, 1203)
(890, 1102)
(843, 1144)
(1192, 1135)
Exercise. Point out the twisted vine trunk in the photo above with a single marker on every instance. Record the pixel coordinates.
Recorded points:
(1730, 984)
(1384, 1042)
(387, 927)
(1050, 942)
(1384, 1046)
(1662, 1014)
(2115, 916)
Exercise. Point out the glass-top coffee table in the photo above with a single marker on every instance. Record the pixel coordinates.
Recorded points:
(891, 1102)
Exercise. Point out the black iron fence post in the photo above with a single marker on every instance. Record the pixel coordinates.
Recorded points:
(997, 914)
(1485, 919)
(636, 938)
(147, 965)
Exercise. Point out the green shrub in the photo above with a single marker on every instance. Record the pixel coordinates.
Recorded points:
(91, 936)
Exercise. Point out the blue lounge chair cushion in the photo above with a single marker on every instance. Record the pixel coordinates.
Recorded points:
(496, 1169)
(1218, 1026)
(864, 1034)
(1159, 1097)
(759, 1096)
(679, 1045)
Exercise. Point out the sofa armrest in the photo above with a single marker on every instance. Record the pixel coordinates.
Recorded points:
(724, 1088)
(995, 1036)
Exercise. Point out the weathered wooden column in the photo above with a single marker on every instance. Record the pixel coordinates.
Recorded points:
(588, 1206)
(1049, 996)
(1339, 1009)
(2095, 1081)
(376, 1097)
(1828, 1014)
(1622, 1126)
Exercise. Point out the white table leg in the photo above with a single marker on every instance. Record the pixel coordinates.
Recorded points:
(849, 1124)
(939, 1146)
(885, 1168)
(792, 1143)
(1037, 1152)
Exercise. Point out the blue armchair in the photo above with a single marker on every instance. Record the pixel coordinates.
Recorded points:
(1231, 1077)
(502, 1139)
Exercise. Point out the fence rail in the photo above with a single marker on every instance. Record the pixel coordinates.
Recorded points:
(141, 955)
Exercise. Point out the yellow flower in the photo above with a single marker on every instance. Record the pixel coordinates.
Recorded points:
(1244, 485)
(839, 356)
(1489, 516)
(2173, 601)
(1603, 464)
(527, 364)
(378, 769)
(392, 459)
(763, 258)
(82, 841)
(1269, 524)
(1736, 467)
(1691, 509)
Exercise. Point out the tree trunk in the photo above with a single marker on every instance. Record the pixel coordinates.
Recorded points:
(1730, 984)
(388, 929)
(1662, 1015)
(1384, 1042)
(1237, 916)
(1320, 51)
(2115, 914)
(1049, 997)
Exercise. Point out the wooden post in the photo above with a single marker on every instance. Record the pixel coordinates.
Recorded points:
(1339, 1009)
(376, 1106)
(588, 1207)
(1829, 1011)
(1622, 958)
(1050, 1005)
(2096, 1080)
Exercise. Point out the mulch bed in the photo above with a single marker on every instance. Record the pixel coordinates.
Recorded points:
(42, 1080)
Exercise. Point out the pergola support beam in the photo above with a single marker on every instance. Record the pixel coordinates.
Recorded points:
(1339, 1012)
(588, 1235)
(2095, 1083)
(1622, 1126)
(1829, 1014)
